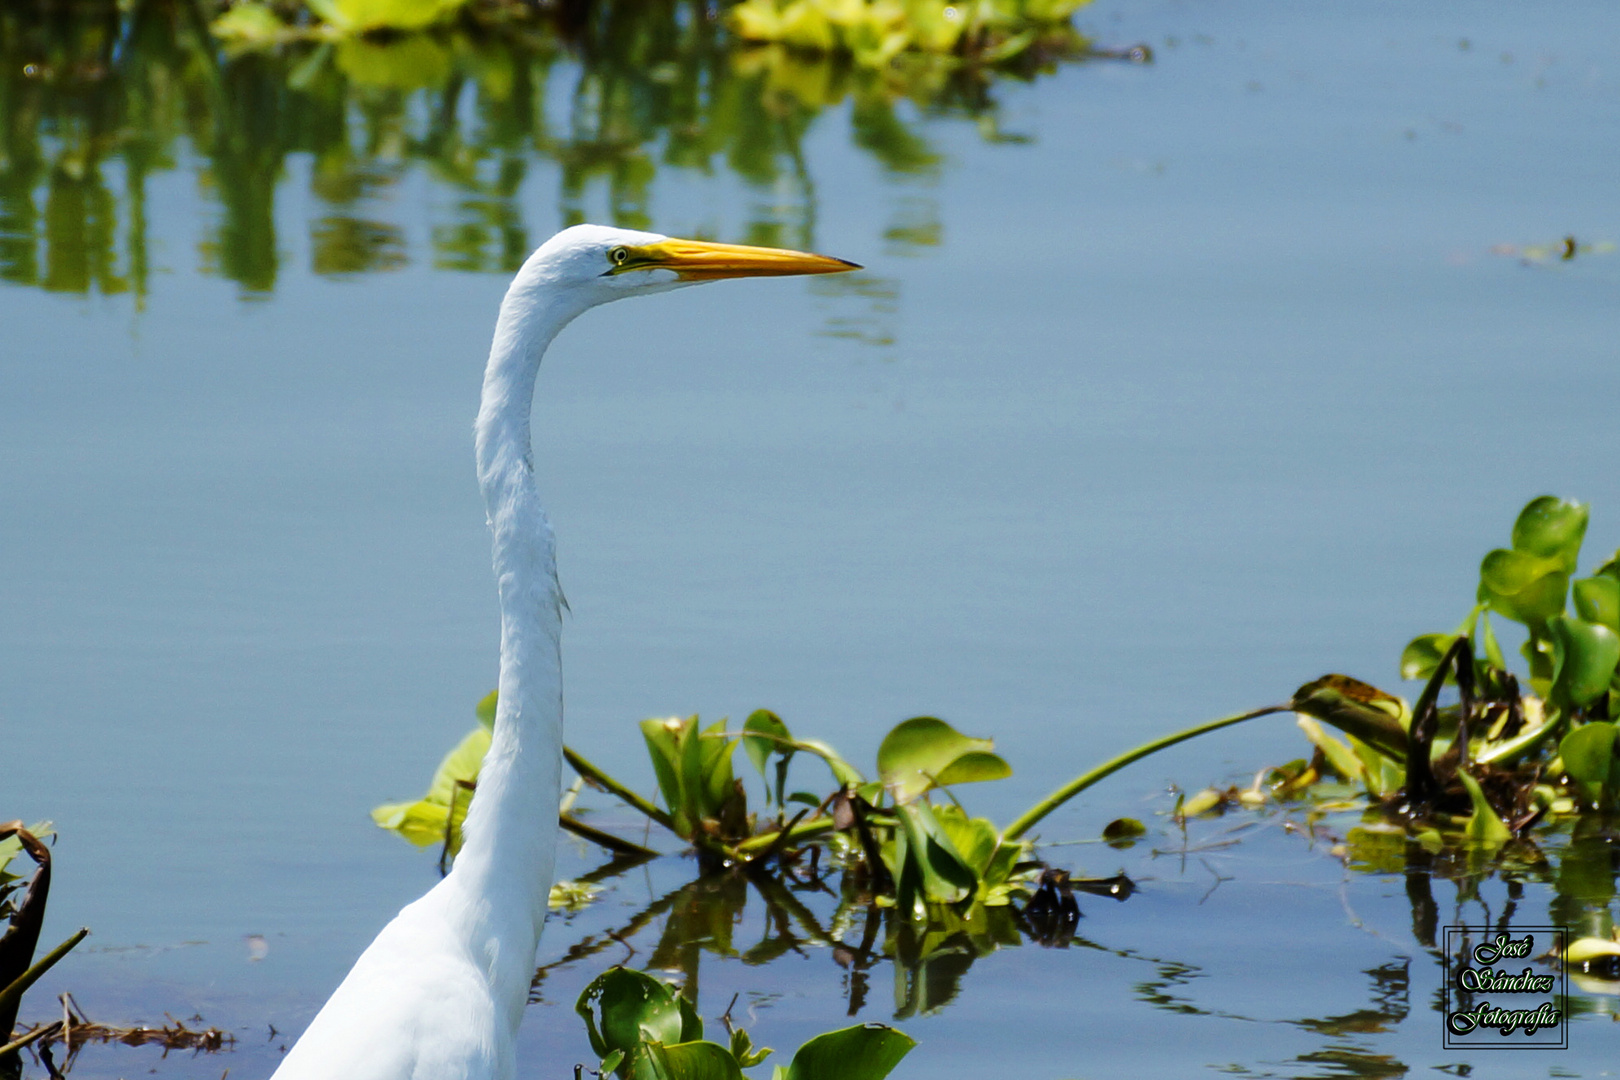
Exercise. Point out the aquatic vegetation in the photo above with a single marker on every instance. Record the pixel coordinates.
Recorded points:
(98, 106)
(644, 1029)
(25, 917)
(875, 32)
(1499, 760)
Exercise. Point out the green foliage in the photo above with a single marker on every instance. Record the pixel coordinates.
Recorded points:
(863, 1052)
(1415, 757)
(695, 774)
(644, 1029)
(475, 106)
(436, 817)
(1484, 826)
(875, 32)
(923, 753)
(10, 848)
(1588, 756)
(363, 16)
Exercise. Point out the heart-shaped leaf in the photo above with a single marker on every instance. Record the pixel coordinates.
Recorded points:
(917, 754)
(624, 1008)
(1551, 527)
(1423, 654)
(1528, 588)
(1584, 658)
(1588, 752)
(864, 1052)
(770, 736)
(1597, 600)
(693, 1061)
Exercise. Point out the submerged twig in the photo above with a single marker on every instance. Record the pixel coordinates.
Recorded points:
(75, 1030)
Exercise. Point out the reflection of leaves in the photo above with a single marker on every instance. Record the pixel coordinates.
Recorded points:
(900, 149)
(1390, 1005)
(657, 85)
(344, 245)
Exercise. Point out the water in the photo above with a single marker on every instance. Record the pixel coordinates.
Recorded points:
(1208, 383)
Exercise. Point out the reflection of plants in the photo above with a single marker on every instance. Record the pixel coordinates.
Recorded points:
(91, 106)
(928, 960)
(875, 32)
(644, 1029)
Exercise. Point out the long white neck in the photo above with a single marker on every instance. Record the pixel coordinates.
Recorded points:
(510, 835)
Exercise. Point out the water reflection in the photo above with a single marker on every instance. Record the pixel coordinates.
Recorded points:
(99, 96)
(760, 919)
(928, 963)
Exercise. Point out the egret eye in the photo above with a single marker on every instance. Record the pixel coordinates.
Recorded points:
(619, 255)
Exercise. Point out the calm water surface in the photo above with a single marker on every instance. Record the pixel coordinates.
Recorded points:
(1166, 389)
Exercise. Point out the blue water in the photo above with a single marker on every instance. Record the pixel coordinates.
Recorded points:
(1213, 385)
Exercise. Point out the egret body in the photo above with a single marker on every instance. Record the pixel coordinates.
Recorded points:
(440, 992)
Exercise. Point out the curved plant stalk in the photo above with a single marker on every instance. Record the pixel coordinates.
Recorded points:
(766, 841)
(613, 787)
(11, 995)
(1034, 814)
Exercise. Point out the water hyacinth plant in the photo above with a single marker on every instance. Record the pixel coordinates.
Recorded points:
(644, 1029)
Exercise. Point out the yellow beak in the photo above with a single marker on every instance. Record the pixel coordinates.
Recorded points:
(701, 260)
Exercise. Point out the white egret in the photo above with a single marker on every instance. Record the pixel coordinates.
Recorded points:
(439, 994)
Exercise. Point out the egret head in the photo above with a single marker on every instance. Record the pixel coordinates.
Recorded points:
(594, 264)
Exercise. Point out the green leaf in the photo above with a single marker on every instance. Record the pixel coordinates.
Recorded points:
(421, 822)
(663, 738)
(1355, 708)
(485, 709)
(461, 763)
(1552, 528)
(976, 765)
(773, 737)
(917, 752)
(1484, 826)
(974, 839)
(717, 776)
(1493, 651)
(842, 771)
(1339, 755)
(865, 1052)
(1527, 588)
(742, 1048)
(694, 1061)
(623, 1008)
(1588, 752)
(366, 15)
(1585, 950)
(1423, 654)
(1597, 600)
(944, 874)
(1122, 832)
(1584, 659)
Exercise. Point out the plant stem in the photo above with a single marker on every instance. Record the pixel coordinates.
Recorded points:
(764, 841)
(602, 839)
(13, 993)
(1030, 817)
(613, 787)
